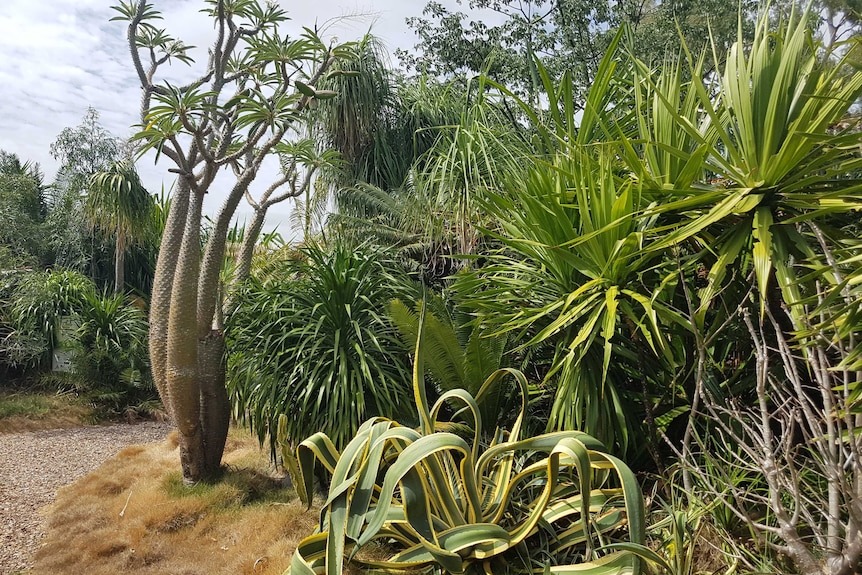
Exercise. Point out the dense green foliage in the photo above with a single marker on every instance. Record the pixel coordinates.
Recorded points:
(332, 359)
(671, 242)
(108, 341)
(71, 227)
(111, 361)
(502, 38)
(22, 209)
(438, 500)
(657, 223)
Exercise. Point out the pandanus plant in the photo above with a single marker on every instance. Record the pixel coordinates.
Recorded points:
(437, 500)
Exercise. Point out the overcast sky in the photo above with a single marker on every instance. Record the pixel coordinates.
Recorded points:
(57, 57)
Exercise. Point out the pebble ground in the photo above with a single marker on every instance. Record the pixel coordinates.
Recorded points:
(35, 464)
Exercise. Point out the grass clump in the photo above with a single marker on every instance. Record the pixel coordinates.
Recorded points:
(237, 487)
(26, 405)
(27, 411)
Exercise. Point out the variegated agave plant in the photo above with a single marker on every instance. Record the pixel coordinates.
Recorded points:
(555, 503)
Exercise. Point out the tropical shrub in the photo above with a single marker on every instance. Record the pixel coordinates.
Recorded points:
(110, 357)
(332, 358)
(34, 303)
(780, 152)
(778, 259)
(437, 500)
(576, 271)
(41, 298)
(18, 350)
(112, 360)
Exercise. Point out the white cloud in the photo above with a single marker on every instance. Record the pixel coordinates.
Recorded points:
(57, 57)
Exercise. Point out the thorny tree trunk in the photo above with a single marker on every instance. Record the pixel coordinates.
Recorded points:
(163, 281)
(189, 370)
(182, 353)
(246, 252)
(215, 406)
(187, 350)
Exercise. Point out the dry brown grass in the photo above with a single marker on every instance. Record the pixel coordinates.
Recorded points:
(134, 516)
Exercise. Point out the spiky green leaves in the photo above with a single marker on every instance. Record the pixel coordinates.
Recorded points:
(333, 358)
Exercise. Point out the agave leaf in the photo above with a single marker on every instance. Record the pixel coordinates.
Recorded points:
(445, 507)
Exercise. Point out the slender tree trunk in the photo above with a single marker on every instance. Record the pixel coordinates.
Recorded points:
(215, 406)
(120, 263)
(160, 300)
(246, 252)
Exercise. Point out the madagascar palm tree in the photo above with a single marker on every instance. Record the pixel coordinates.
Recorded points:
(118, 203)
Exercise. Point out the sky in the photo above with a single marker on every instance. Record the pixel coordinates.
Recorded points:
(59, 57)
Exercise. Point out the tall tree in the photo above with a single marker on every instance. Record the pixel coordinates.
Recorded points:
(82, 151)
(119, 205)
(256, 88)
(502, 38)
(22, 208)
(85, 149)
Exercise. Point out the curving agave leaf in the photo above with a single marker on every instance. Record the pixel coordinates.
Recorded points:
(439, 500)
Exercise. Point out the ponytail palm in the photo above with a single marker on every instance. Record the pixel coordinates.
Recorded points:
(118, 203)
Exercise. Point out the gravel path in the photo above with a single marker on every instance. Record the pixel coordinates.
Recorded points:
(35, 464)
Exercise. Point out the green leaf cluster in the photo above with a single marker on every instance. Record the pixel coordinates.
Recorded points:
(332, 357)
(438, 500)
(628, 233)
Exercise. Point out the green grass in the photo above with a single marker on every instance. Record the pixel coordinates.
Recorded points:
(236, 487)
(35, 406)
(28, 410)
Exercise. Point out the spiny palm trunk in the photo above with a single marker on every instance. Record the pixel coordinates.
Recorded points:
(182, 351)
(215, 406)
(246, 254)
(160, 300)
(189, 369)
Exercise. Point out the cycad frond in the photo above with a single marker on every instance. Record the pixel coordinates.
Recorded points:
(443, 355)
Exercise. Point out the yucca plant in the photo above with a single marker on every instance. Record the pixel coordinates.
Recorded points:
(575, 274)
(665, 155)
(541, 504)
(777, 141)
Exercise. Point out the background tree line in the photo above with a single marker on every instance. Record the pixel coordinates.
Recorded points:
(660, 236)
